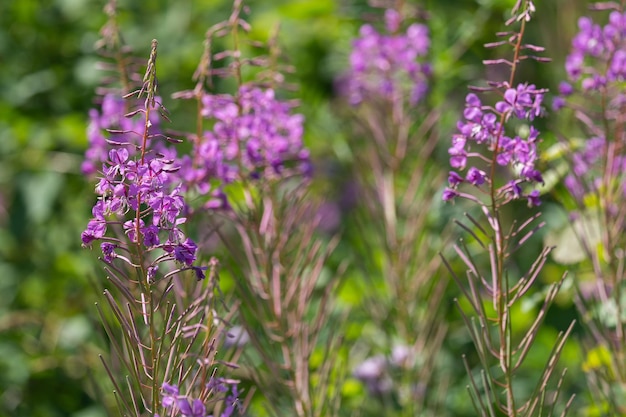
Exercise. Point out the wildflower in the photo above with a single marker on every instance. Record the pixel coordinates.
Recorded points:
(475, 176)
(199, 272)
(108, 250)
(111, 126)
(533, 198)
(524, 102)
(195, 408)
(594, 44)
(373, 373)
(480, 129)
(144, 186)
(386, 65)
(454, 179)
(596, 70)
(96, 228)
(187, 407)
(185, 252)
(254, 135)
(170, 394)
(449, 194)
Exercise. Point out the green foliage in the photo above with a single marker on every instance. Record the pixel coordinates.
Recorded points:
(49, 333)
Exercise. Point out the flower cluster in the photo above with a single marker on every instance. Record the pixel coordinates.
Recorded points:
(597, 44)
(596, 71)
(109, 127)
(483, 125)
(253, 135)
(386, 65)
(587, 169)
(143, 187)
(183, 406)
(597, 59)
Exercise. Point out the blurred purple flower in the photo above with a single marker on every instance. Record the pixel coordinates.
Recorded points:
(387, 65)
(195, 408)
(110, 127)
(254, 135)
(170, 395)
(596, 71)
(598, 54)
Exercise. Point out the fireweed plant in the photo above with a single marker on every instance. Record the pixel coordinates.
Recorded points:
(249, 172)
(494, 165)
(386, 86)
(162, 319)
(594, 96)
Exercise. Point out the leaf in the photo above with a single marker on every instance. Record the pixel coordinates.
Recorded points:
(567, 240)
(40, 192)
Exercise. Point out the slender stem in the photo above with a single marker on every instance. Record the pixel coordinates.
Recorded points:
(149, 89)
(502, 292)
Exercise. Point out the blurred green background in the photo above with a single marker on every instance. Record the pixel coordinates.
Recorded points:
(49, 333)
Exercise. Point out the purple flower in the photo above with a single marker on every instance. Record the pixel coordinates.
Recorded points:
(454, 179)
(185, 252)
(144, 186)
(449, 194)
(195, 408)
(558, 103)
(130, 228)
(480, 130)
(565, 88)
(514, 189)
(112, 116)
(533, 199)
(219, 201)
(217, 385)
(231, 401)
(166, 207)
(199, 272)
(170, 394)
(150, 236)
(458, 155)
(393, 19)
(596, 70)
(96, 228)
(475, 176)
(222, 386)
(386, 65)
(598, 54)
(254, 136)
(108, 251)
(524, 102)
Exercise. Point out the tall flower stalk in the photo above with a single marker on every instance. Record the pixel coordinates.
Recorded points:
(162, 319)
(493, 166)
(593, 95)
(249, 148)
(396, 181)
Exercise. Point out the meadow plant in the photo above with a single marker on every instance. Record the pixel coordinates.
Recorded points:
(249, 172)
(494, 165)
(392, 143)
(240, 187)
(593, 95)
(162, 320)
